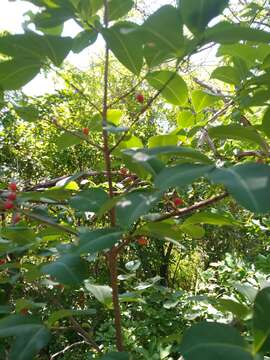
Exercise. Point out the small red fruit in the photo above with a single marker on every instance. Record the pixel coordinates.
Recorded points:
(12, 196)
(8, 204)
(85, 131)
(12, 186)
(16, 218)
(142, 241)
(140, 98)
(178, 202)
(24, 312)
(2, 261)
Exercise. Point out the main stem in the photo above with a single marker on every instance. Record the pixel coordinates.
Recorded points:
(112, 256)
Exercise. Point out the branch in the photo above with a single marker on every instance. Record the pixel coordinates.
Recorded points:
(194, 207)
(67, 348)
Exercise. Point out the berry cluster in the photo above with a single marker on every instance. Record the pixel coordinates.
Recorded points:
(9, 201)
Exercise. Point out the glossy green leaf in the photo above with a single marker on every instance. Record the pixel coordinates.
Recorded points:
(35, 47)
(31, 336)
(195, 231)
(162, 140)
(135, 204)
(198, 13)
(66, 140)
(212, 341)
(172, 87)
(266, 123)
(248, 183)
(119, 8)
(228, 33)
(163, 35)
(27, 113)
(241, 311)
(207, 217)
(185, 119)
(181, 175)
(20, 234)
(202, 100)
(246, 52)
(89, 200)
(261, 321)
(237, 132)
(68, 269)
(124, 41)
(18, 72)
(227, 74)
(161, 230)
(92, 241)
(83, 40)
(102, 293)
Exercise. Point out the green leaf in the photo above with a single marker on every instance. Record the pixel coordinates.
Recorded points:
(185, 119)
(197, 14)
(266, 123)
(65, 313)
(163, 35)
(17, 72)
(228, 33)
(237, 132)
(135, 204)
(227, 74)
(27, 113)
(161, 230)
(31, 336)
(212, 341)
(132, 143)
(96, 240)
(173, 88)
(119, 8)
(202, 100)
(207, 217)
(248, 183)
(83, 40)
(162, 140)
(68, 269)
(19, 234)
(195, 231)
(102, 293)
(245, 52)
(124, 41)
(181, 175)
(35, 48)
(241, 311)
(261, 321)
(89, 200)
(66, 140)
(181, 153)
(114, 116)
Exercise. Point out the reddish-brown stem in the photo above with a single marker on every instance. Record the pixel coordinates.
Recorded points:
(112, 256)
(199, 205)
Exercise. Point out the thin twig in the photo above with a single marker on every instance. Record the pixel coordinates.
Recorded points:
(194, 207)
(67, 348)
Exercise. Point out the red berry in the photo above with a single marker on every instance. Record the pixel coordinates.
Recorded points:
(85, 131)
(16, 218)
(24, 312)
(12, 186)
(142, 241)
(8, 204)
(140, 98)
(2, 261)
(178, 202)
(12, 196)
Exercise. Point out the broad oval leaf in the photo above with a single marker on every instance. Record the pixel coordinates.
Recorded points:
(202, 100)
(181, 175)
(89, 200)
(212, 341)
(124, 41)
(248, 183)
(119, 8)
(227, 74)
(261, 321)
(97, 240)
(135, 204)
(68, 269)
(172, 87)
(198, 13)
